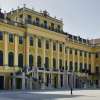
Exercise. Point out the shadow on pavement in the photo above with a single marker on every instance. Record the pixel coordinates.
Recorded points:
(36, 96)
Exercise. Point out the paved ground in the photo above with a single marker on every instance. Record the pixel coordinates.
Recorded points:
(50, 95)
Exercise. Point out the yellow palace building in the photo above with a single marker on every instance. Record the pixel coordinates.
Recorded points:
(35, 53)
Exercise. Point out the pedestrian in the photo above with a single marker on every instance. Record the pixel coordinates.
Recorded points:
(71, 91)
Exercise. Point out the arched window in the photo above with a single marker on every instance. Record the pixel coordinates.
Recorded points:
(1, 58)
(10, 59)
(20, 60)
(52, 26)
(46, 62)
(30, 60)
(45, 24)
(37, 21)
(39, 61)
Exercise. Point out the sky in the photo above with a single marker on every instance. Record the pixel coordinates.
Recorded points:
(80, 17)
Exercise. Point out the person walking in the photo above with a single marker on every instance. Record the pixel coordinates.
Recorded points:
(71, 91)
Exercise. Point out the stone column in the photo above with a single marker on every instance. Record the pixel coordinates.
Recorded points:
(73, 60)
(64, 56)
(93, 62)
(74, 83)
(5, 58)
(30, 84)
(23, 81)
(58, 65)
(87, 60)
(51, 61)
(58, 55)
(68, 58)
(16, 51)
(14, 81)
(43, 62)
(27, 50)
(78, 52)
(83, 59)
(36, 54)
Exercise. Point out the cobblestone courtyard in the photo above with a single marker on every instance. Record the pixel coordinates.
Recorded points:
(50, 95)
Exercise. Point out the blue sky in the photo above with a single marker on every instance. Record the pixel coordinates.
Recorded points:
(80, 17)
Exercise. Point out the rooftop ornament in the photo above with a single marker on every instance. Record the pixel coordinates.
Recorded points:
(45, 13)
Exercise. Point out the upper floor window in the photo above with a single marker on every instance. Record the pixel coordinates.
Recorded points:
(45, 24)
(58, 28)
(46, 62)
(11, 59)
(20, 60)
(66, 50)
(20, 39)
(54, 63)
(52, 26)
(97, 69)
(1, 58)
(47, 44)
(76, 67)
(89, 68)
(81, 67)
(85, 54)
(31, 41)
(54, 46)
(39, 43)
(97, 55)
(71, 66)
(11, 37)
(66, 67)
(39, 61)
(85, 66)
(75, 52)
(29, 17)
(60, 63)
(70, 51)
(60, 47)
(30, 60)
(1, 35)
(89, 55)
(37, 21)
(80, 53)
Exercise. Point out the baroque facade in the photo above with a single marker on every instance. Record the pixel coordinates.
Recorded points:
(35, 53)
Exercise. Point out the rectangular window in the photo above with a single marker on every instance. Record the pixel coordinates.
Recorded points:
(11, 37)
(89, 68)
(39, 43)
(75, 52)
(54, 46)
(66, 50)
(97, 55)
(31, 41)
(20, 39)
(60, 47)
(66, 67)
(1, 35)
(80, 53)
(47, 44)
(70, 51)
(71, 66)
(85, 54)
(89, 55)
(81, 67)
(76, 67)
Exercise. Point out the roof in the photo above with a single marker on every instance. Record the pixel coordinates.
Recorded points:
(95, 41)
